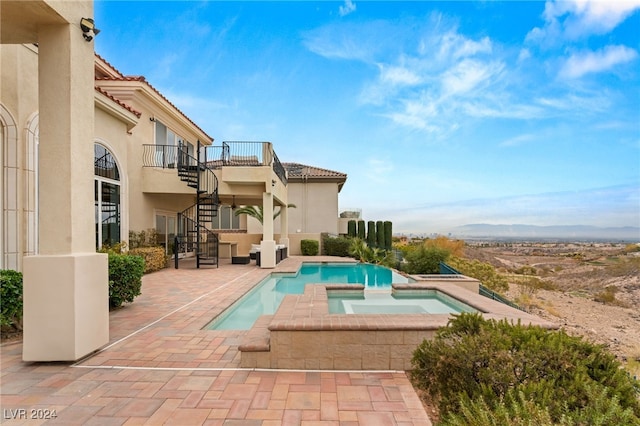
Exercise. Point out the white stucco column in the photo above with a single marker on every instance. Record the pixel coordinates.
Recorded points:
(66, 309)
(284, 226)
(268, 244)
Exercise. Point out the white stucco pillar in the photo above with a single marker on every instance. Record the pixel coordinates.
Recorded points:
(284, 226)
(268, 244)
(66, 309)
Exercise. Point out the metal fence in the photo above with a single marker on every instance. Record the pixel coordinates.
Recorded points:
(245, 154)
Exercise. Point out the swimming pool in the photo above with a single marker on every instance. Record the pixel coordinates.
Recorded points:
(425, 302)
(266, 297)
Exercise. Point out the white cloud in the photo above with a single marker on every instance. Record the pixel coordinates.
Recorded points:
(466, 75)
(524, 55)
(575, 19)
(455, 46)
(594, 62)
(379, 170)
(347, 8)
(398, 75)
(518, 140)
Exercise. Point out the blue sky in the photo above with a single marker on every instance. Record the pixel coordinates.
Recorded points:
(441, 113)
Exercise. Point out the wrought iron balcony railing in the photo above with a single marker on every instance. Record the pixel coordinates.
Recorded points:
(245, 154)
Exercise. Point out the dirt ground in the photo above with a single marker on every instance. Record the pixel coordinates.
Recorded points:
(588, 289)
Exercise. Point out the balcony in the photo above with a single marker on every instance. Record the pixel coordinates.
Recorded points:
(245, 154)
(243, 169)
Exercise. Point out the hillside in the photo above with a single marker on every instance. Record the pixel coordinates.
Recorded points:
(589, 289)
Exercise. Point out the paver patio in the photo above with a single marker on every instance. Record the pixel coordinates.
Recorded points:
(162, 368)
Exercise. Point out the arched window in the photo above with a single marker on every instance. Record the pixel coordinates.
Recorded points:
(107, 197)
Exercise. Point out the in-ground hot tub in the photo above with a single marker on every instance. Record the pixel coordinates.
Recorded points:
(397, 302)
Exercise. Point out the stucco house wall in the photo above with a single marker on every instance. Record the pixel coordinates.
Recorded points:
(19, 136)
(316, 207)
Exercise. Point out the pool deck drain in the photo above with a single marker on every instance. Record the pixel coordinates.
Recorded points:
(160, 368)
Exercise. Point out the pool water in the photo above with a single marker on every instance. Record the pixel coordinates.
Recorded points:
(432, 302)
(266, 297)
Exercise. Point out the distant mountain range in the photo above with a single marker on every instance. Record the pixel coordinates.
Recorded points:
(571, 232)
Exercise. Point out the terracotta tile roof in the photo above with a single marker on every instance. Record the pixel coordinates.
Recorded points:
(118, 101)
(110, 65)
(141, 79)
(297, 170)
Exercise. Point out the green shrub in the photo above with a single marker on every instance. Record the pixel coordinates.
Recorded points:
(11, 298)
(154, 258)
(379, 234)
(148, 238)
(351, 228)
(388, 235)
(125, 278)
(336, 246)
(359, 250)
(425, 260)
(309, 247)
(371, 234)
(483, 272)
(522, 411)
(503, 368)
(361, 230)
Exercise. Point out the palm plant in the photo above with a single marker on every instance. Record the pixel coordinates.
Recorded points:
(360, 250)
(258, 212)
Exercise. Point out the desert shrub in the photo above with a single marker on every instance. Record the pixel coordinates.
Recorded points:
(526, 270)
(11, 298)
(485, 369)
(309, 247)
(336, 246)
(483, 272)
(629, 266)
(154, 258)
(425, 260)
(631, 248)
(454, 247)
(517, 410)
(125, 278)
(608, 296)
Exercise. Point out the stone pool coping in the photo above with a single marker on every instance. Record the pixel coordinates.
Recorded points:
(302, 334)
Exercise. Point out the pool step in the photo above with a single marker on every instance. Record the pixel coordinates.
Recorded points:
(257, 338)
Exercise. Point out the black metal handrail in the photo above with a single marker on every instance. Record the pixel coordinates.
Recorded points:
(194, 237)
(162, 156)
(279, 169)
(207, 182)
(238, 153)
(245, 154)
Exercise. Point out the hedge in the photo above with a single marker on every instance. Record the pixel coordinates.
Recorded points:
(309, 247)
(372, 240)
(336, 246)
(11, 298)
(125, 278)
(154, 258)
